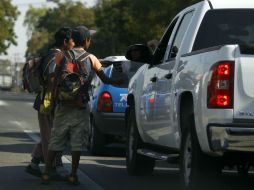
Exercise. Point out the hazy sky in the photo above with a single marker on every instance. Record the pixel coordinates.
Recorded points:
(18, 52)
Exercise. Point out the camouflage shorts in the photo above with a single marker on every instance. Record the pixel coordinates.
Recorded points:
(70, 124)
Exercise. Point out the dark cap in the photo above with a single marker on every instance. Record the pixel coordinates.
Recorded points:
(80, 33)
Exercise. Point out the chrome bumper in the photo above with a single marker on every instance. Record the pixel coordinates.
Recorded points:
(227, 138)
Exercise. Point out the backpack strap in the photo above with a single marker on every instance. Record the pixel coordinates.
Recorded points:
(80, 60)
(54, 53)
(83, 56)
(71, 56)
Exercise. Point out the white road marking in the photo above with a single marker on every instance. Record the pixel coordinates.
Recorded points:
(3, 103)
(30, 103)
(95, 162)
(234, 171)
(83, 178)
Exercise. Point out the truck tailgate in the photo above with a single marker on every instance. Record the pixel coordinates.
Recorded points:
(244, 88)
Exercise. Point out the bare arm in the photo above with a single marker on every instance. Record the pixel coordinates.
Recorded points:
(97, 67)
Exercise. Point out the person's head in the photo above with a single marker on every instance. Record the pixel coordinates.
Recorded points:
(82, 36)
(63, 38)
(135, 55)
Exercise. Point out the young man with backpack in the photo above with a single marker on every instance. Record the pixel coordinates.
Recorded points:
(74, 70)
(44, 102)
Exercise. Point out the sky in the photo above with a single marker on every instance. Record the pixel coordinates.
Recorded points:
(17, 53)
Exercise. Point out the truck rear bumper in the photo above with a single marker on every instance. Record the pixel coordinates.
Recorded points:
(231, 137)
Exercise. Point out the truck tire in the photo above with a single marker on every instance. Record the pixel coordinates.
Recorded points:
(136, 164)
(96, 140)
(197, 170)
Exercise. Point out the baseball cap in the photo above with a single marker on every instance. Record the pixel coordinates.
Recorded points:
(80, 33)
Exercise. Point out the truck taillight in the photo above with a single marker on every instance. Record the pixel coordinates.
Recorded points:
(105, 103)
(220, 91)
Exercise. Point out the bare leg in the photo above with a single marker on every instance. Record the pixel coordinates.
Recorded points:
(75, 162)
(50, 158)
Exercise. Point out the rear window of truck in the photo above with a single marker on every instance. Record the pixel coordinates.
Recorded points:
(225, 26)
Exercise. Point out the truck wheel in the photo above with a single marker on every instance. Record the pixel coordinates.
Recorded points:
(96, 140)
(198, 170)
(137, 164)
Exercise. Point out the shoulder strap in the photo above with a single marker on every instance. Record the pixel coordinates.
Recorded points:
(85, 69)
(69, 55)
(83, 56)
(54, 53)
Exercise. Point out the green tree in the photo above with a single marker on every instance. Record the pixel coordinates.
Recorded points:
(67, 13)
(37, 43)
(38, 38)
(121, 23)
(8, 15)
(111, 16)
(32, 18)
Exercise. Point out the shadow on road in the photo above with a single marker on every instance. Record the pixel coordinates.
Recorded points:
(15, 178)
(111, 172)
(18, 135)
(17, 96)
(16, 142)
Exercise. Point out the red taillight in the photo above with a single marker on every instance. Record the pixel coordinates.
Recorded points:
(151, 100)
(220, 91)
(105, 103)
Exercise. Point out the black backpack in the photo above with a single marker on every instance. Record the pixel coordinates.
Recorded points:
(34, 70)
(73, 76)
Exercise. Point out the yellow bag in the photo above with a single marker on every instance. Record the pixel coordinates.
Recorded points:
(47, 103)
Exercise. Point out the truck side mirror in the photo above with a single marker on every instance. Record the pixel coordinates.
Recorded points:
(139, 53)
(173, 52)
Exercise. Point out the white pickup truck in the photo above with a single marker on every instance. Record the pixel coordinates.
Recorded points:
(193, 102)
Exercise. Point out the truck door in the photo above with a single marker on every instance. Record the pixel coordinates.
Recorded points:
(150, 100)
(148, 96)
(168, 133)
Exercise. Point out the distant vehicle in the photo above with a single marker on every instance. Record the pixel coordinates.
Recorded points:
(108, 104)
(5, 82)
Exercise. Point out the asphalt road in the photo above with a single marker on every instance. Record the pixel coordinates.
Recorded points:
(19, 132)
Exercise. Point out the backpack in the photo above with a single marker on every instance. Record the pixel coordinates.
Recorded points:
(31, 76)
(73, 77)
(33, 72)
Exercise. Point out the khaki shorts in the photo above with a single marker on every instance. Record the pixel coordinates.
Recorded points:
(70, 124)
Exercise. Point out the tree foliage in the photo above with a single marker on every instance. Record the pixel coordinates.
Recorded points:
(38, 43)
(125, 22)
(32, 18)
(8, 15)
(119, 23)
(64, 14)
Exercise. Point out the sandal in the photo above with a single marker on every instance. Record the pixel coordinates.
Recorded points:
(45, 178)
(57, 176)
(73, 180)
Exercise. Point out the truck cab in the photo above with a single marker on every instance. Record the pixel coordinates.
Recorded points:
(203, 64)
